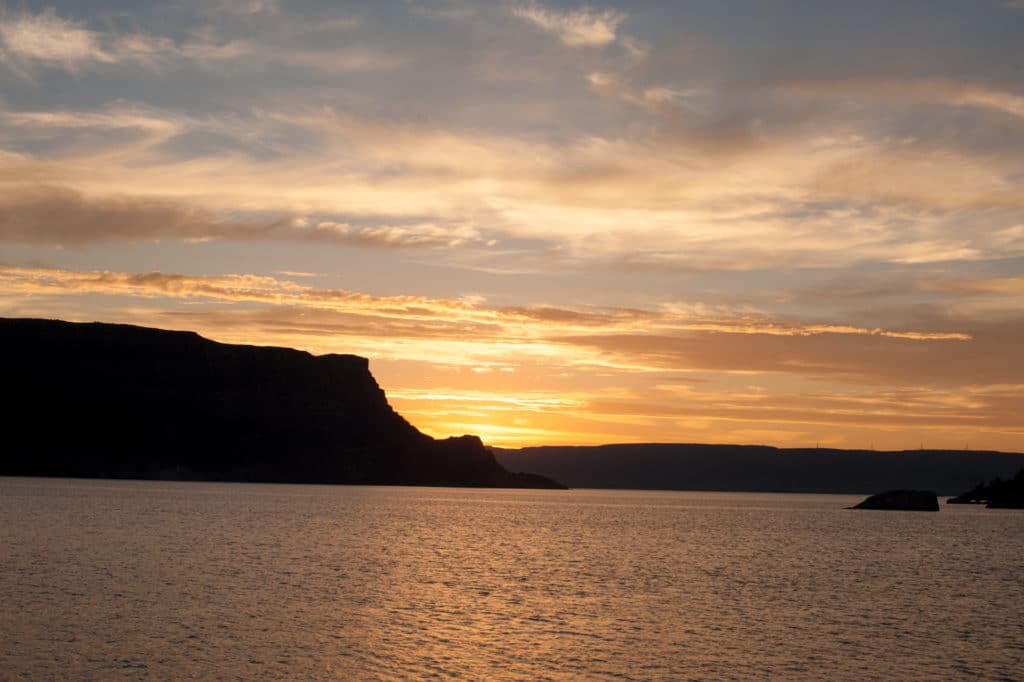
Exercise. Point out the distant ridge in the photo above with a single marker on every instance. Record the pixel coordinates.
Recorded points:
(119, 401)
(760, 468)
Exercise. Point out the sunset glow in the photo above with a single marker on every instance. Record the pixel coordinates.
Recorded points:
(546, 223)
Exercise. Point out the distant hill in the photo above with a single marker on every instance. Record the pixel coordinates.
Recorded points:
(761, 468)
(118, 401)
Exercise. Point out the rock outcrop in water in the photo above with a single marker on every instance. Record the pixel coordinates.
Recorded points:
(901, 500)
(118, 401)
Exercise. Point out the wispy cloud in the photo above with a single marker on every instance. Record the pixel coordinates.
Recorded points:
(47, 38)
(608, 325)
(241, 7)
(929, 90)
(646, 203)
(610, 372)
(60, 216)
(421, 235)
(585, 26)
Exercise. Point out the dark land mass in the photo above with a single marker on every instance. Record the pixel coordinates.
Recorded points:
(118, 401)
(756, 468)
(996, 494)
(901, 500)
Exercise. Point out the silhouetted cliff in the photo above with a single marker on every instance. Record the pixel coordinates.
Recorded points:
(101, 400)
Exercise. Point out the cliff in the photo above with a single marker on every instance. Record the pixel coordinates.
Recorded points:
(101, 400)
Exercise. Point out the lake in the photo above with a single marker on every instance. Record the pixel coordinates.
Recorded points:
(154, 580)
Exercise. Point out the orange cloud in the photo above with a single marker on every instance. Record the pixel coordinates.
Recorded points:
(544, 374)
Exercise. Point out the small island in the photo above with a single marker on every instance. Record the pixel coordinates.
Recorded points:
(901, 500)
(997, 494)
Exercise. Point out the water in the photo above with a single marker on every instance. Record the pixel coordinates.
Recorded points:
(146, 580)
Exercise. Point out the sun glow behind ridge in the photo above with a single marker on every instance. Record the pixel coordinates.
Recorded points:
(545, 223)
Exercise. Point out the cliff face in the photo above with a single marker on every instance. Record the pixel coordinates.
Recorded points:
(123, 401)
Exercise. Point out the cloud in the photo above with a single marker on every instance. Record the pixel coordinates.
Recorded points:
(293, 313)
(600, 327)
(667, 317)
(616, 373)
(940, 91)
(422, 235)
(852, 219)
(246, 55)
(42, 215)
(649, 202)
(118, 131)
(700, 176)
(976, 355)
(49, 39)
(61, 216)
(582, 27)
(337, 60)
(998, 286)
(241, 7)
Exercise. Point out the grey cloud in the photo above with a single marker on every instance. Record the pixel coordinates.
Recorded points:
(240, 7)
(47, 39)
(41, 215)
(50, 40)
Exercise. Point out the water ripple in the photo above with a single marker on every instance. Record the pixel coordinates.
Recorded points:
(135, 580)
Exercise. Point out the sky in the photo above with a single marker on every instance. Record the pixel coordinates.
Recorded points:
(788, 222)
